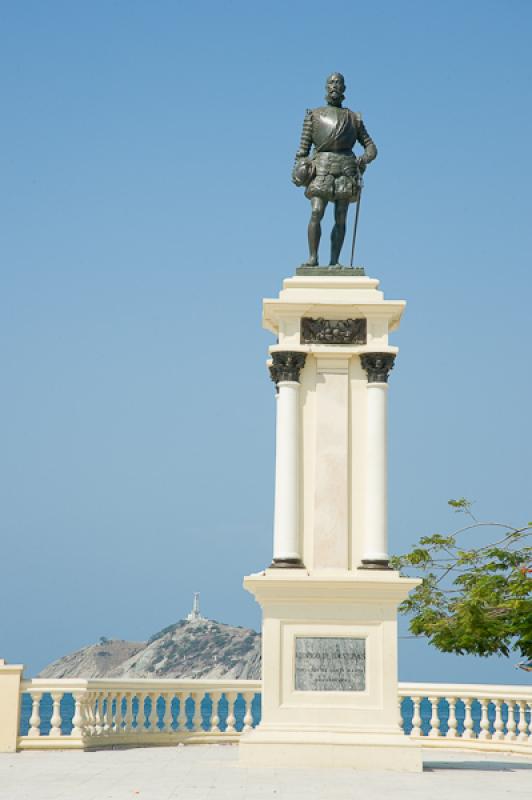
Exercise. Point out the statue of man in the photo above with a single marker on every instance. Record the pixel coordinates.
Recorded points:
(333, 172)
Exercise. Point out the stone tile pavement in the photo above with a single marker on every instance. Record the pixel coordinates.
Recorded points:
(212, 772)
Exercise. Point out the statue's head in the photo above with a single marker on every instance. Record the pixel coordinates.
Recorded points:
(335, 85)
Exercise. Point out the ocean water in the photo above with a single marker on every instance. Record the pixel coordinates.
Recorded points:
(67, 712)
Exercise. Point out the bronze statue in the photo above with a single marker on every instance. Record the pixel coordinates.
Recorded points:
(333, 172)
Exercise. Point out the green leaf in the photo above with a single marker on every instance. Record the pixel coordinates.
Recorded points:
(476, 600)
(460, 505)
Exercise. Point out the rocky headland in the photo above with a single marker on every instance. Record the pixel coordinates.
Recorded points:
(193, 648)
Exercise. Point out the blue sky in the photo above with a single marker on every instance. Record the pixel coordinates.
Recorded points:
(147, 207)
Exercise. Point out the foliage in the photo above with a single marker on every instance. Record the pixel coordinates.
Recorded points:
(475, 600)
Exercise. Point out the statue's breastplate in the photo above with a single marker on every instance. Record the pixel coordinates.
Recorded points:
(333, 129)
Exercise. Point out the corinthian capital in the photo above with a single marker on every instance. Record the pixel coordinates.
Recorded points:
(377, 366)
(286, 365)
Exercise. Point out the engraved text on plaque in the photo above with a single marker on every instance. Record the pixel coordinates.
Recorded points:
(330, 664)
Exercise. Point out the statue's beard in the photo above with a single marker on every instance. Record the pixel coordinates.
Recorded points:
(335, 98)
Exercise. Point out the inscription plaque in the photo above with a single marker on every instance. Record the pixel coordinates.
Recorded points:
(330, 664)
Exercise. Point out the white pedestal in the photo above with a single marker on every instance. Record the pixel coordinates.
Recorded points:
(329, 665)
(349, 727)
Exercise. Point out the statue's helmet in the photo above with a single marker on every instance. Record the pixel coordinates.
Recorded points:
(303, 172)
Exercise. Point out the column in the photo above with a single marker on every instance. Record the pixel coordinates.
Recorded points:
(285, 369)
(375, 547)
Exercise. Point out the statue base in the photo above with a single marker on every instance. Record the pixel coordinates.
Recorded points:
(312, 747)
(329, 671)
(337, 269)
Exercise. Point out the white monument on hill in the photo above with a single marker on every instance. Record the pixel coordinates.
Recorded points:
(329, 598)
(195, 615)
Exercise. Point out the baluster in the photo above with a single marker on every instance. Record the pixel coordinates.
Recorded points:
(154, 713)
(416, 718)
(87, 724)
(451, 722)
(196, 716)
(167, 716)
(484, 719)
(248, 716)
(89, 714)
(55, 722)
(511, 725)
(215, 719)
(498, 725)
(123, 712)
(231, 697)
(78, 718)
(35, 719)
(468, 720)
(118, 716)
(128, 715)
(182, 714)
(115, 711)
(400, 720)
(434, 719)
(98, 710)
(94, 712)
(522, 727)
(139, 719)
(108, 714)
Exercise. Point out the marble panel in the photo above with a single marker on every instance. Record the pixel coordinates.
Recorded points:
(330, 664)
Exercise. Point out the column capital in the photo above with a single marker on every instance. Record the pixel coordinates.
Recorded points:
(286, 365)
(377, 366)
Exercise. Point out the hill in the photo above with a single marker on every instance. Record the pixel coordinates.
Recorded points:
(199, 648)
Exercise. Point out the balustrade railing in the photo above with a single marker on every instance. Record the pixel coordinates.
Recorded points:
(98, 713)
(102, 713)
(465, 715)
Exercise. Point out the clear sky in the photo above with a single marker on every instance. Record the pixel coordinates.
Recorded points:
(146, 207)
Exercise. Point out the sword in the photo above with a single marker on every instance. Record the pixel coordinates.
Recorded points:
(355, 226)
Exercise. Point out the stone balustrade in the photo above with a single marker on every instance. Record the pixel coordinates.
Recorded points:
(104, 713)
(468, 715)
(85, 714)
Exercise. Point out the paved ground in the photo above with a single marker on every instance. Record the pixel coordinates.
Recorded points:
(211, 772)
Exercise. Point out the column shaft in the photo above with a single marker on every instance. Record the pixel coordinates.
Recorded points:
(375, 549)
(375, 534)
(286, 533)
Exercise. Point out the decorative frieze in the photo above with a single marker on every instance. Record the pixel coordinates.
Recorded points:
(286, 365)
(377, 366)
(333, 331)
